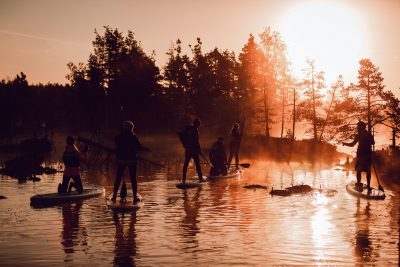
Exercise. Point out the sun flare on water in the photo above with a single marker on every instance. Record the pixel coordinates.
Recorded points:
(329, 32)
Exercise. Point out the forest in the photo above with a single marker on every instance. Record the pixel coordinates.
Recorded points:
(120, 81)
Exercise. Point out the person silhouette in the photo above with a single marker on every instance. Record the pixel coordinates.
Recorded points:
(127, 147)
(365, 141)
(72, 158)
(236, 137)
(218, 158)
(190, 141)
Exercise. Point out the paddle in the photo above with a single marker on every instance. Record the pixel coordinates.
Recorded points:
(377, 178)
(204, 157)
(244, 165)
(112, 150)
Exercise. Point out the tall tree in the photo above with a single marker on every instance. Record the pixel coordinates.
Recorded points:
(310, 107)
(370, 84)
(250, 81)
(275, 72)
(331, 118)
(177, 78)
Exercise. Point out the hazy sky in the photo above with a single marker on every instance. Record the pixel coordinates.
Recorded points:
(39, 37)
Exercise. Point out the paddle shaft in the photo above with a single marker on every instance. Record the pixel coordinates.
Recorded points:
(376, 174)
(244, 165)
(112, 150)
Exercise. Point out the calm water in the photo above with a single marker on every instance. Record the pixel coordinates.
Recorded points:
(221, 223)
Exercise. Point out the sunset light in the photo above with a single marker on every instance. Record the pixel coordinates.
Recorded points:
(331, 33)
(200, 133)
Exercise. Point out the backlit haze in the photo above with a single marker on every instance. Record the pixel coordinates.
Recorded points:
(41, 37)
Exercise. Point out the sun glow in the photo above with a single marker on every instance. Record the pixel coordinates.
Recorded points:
(329, 32)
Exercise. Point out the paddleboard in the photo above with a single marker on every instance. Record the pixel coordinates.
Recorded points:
(188, 185)
(373, 194)
(52, 198)
(125, 205)
(231, 174)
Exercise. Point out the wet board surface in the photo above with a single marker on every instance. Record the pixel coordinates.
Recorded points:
(231, 174)
(188, 185)
(374, 194)
(126, 205)
(51, 198)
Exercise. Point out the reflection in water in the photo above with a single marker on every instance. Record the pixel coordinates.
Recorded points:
(220, 224)
(125, 241)
(190, 228)
(321, 226)
(363, 246)
(70, 236)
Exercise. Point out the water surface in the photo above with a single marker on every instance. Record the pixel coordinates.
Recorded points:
(221, 223)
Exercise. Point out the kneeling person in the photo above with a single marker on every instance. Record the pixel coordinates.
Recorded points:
(218, 158)
(72, 158)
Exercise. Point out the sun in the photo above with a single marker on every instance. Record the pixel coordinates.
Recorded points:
(329, 32)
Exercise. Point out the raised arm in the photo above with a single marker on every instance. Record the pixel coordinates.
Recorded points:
(352, 143)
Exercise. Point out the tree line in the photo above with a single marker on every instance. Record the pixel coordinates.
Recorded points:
(120, 81)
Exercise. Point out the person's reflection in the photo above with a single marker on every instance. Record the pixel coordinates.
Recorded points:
(363, 246)
(125, 241)
(191, 207)
(69, 234)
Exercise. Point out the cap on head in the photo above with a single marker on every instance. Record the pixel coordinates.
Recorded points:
(70, 140)
(196, 122)
(128, 125)
(361, 125)
(236, 125)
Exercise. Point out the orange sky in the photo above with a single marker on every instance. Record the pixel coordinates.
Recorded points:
(40, 37)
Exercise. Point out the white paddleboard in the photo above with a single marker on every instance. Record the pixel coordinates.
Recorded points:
(363, 193)
(231, 174)
(53, 198)
(124, 205)
(187, 185)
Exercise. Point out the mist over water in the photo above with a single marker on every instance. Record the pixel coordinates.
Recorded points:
(221, 223)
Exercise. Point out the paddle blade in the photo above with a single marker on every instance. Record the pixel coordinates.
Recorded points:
(245, 165)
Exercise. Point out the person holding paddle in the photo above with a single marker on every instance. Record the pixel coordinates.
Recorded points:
(189, 138)
(127, 146)
(365, 141)
(72, 158)
(218, 158)
(236, 138)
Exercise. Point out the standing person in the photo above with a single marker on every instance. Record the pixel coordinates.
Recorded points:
(364, 153)
(236, 137)
(218, 158)
(190, 141)
(72, 158)
(127, 146)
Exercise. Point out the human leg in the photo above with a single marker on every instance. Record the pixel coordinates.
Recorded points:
(196, 160)
(369, 180)
(231, 153)
(358, 177)
(63, 187)
(120, 173)
(185, 165)
(132, 175)
(237, 158)
(77, 183)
